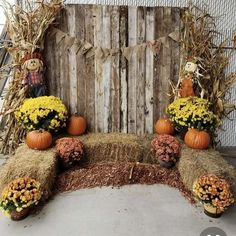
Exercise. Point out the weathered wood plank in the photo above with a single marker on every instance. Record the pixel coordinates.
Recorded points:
(106, 67)
(114, 124)
(63, 75)
(132, 39)
(80, 25)
(150, 24)
(157, 65)
(166, 62)
(123, 70)
(140, 78)
(175, 47)
(99, 82)
(72, 63)
(90, 70)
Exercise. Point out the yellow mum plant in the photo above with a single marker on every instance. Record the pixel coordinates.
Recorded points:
(20, 194)
(47, 112)
(193, 112)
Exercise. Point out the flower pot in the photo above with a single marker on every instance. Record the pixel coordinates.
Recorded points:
(212, 211)
(166, 164)
(20, 215)
(181, 131)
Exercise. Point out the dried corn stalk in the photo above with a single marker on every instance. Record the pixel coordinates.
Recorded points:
(26, 30)
(197, 42)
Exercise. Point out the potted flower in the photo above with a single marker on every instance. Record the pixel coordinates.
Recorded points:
(214, 193)
(167, 149)
(46, 112)
(19, 196)
(69, 151)
(192, 112)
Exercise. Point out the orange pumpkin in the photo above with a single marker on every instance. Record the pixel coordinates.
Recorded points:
(197, 139)
(76, 125)
(164, 126)
(39, 139)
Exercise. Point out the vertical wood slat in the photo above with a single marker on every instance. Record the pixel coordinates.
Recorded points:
(80, 24)
(140, 79)
(116, 95)
(150, 23)
(99, 82)
(106, 66)
(90, 70)
(132, 67)
(157, 65)
(72, 63)
(123, 71)
(114, 124)
(64, 88)
(166, 62)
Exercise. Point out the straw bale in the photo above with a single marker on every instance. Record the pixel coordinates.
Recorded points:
(194, 163)
(40, 165)
(113, 147)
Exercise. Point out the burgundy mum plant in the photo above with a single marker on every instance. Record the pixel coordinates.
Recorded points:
(69, 150)
(166, 148)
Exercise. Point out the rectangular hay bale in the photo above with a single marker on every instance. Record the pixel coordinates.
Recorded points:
(39, 165)
(194, 163)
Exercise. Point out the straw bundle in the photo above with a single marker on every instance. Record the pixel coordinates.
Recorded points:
(39, 165)
(26, 31)
(194, 163)
(198, 42)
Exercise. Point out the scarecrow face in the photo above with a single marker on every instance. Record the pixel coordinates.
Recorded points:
(190, 67)
(33, 64)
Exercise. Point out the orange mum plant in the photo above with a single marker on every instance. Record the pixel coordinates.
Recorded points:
(213, 191)
(20, 194)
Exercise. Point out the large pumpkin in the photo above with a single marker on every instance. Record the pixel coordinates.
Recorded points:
(164, 126)
(39, 139)
(197, 139)
(76, 125)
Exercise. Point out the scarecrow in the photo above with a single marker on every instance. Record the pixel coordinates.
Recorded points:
(191, 77)
(34, 75)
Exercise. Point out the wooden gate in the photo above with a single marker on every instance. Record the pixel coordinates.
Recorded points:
(117, 95)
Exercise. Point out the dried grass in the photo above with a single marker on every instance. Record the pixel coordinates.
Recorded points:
(198, 41)
(39, 165)
(194, 163)
(26, 30)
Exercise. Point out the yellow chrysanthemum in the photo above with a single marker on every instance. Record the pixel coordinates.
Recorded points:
(47, 112)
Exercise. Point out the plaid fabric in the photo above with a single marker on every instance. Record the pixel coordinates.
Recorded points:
(35, 78)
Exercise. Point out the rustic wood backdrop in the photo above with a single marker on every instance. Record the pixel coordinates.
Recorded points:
(128, 96)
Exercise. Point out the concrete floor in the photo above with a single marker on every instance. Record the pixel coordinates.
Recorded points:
(131, 211)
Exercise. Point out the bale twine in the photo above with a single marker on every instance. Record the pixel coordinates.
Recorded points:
(39, 165)
(194, 163)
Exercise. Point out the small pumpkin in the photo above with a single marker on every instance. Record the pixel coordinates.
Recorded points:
(76, 125)
(164, 126)
(39, 139)
(197, 139)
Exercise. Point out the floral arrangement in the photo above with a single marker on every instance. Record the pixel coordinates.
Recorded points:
(20, 194)
(193, 112)
(69, 150)
(212, 190)
(166, 147)
(46, 112)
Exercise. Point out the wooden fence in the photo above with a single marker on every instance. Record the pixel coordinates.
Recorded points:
(121, 95)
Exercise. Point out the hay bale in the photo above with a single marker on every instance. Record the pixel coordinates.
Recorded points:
(194, 163)
(112, 147)
(39, 165)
